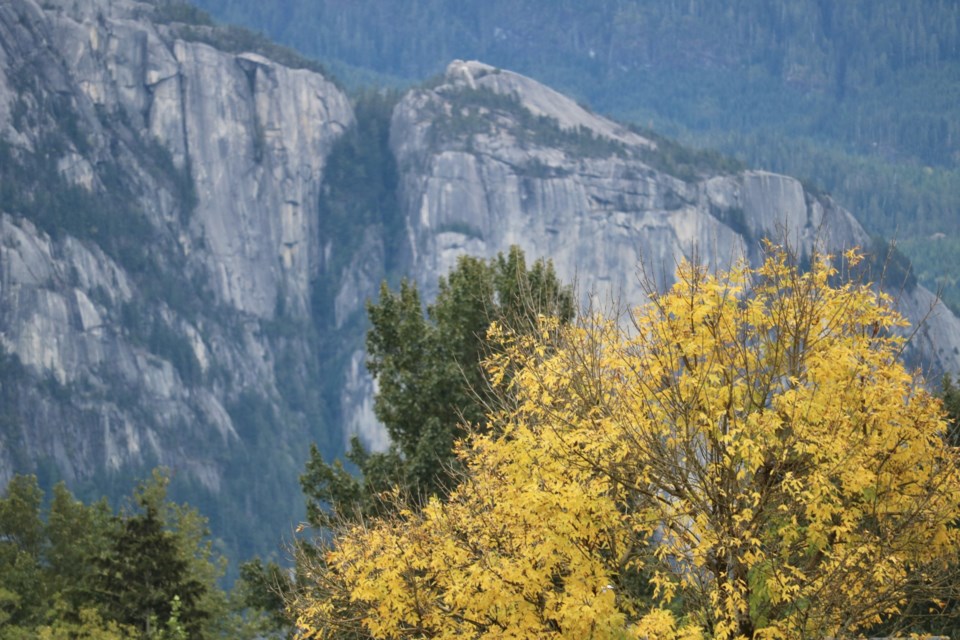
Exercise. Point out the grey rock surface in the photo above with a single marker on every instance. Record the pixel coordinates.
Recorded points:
(161, 240)
(222, 156)
(598, 217)
(601, 204)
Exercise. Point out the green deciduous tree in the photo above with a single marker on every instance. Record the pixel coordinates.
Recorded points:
(76, 535)
(22, 589)
(427, 365)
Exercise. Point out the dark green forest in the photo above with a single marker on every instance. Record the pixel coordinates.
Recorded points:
(859, 98)
(145, 569)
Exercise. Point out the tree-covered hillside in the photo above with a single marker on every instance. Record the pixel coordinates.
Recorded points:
(861, 97)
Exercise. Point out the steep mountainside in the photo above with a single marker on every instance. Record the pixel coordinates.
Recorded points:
(157, 242)
(489, 158)
(189, 229)
(862, 98)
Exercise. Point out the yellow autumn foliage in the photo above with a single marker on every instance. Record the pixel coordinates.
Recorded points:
(749, 459)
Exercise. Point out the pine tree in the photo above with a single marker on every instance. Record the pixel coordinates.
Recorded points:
(143, 574)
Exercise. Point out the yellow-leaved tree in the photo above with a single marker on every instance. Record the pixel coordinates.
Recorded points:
(748, 460)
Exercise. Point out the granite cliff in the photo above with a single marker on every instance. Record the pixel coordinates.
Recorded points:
(158, 238)
(490, 158)
(165, 252)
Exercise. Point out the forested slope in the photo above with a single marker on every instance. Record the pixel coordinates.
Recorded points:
(860, 98)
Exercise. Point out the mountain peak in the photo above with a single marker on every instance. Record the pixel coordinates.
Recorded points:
(539, 99)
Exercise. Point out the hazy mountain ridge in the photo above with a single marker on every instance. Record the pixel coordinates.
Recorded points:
(860, 98)
(162, 239)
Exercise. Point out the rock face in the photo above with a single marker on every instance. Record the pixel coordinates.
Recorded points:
(159, 222)
(489, 158)
(163, 254)
(583, 192)
(253, 135)
(598, 199)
